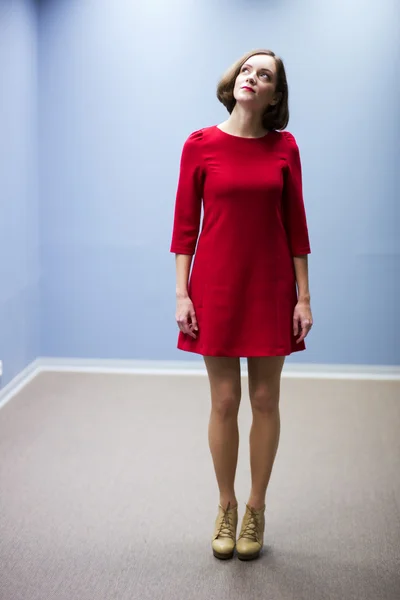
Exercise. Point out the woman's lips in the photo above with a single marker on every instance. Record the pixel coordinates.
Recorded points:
(245, 87)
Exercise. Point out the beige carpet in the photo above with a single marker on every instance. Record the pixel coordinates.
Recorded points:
(107, 492)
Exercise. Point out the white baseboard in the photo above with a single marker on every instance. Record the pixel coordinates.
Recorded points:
(197, 367)
(188, 368)
(18, 383)
(134, 367)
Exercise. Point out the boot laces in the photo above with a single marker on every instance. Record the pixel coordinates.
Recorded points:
(251, 526)
(226, 528)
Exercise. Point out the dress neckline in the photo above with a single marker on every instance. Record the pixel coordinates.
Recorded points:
(240, 137)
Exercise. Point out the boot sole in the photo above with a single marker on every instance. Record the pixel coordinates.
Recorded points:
(248, 556)
(223, 556)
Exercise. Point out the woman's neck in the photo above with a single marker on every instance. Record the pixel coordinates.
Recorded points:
(244, 123)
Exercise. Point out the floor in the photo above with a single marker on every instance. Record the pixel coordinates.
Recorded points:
(107, 491)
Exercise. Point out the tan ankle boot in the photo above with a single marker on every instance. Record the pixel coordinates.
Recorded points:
(251, 538)
(224, 538)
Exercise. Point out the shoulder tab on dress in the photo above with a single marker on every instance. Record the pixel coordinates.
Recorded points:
(196, 136)
(289, 138)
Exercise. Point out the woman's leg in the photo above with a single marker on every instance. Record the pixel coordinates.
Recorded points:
(264, 390)
(223, 432)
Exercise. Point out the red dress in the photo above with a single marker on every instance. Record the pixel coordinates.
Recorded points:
(242, 283)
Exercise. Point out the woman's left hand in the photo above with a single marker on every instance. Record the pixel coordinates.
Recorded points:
(302, 319)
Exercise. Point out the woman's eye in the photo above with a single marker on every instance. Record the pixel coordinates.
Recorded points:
(262, 74)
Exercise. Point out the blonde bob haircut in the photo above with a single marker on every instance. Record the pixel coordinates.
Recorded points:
(275, 117)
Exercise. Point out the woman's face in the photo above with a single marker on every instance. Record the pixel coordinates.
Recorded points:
(255, 85)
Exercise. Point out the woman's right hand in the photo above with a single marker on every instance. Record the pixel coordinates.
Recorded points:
(186, 316)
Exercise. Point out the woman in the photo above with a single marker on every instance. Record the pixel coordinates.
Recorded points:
(241, 299)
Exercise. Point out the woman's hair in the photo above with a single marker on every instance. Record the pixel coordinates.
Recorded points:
(275, 117)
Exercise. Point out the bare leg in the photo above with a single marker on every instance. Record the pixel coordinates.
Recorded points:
(264, 391)
(223, 432)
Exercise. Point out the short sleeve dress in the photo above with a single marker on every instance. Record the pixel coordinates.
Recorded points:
(242, 282)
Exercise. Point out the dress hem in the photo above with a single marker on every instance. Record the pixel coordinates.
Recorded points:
(244, 354)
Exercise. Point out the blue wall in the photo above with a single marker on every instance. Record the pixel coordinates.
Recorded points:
(20, 274)
(121, 85)
(120, 90)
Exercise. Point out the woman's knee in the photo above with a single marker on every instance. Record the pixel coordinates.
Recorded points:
(226, 400)
(265, 399)
(264, 382)
(225, 385)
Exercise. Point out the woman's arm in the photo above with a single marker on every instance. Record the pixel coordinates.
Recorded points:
(189, 194)
(301, 269)
(296, 226)
(302, 316)
(182, 263)
(185, 313)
